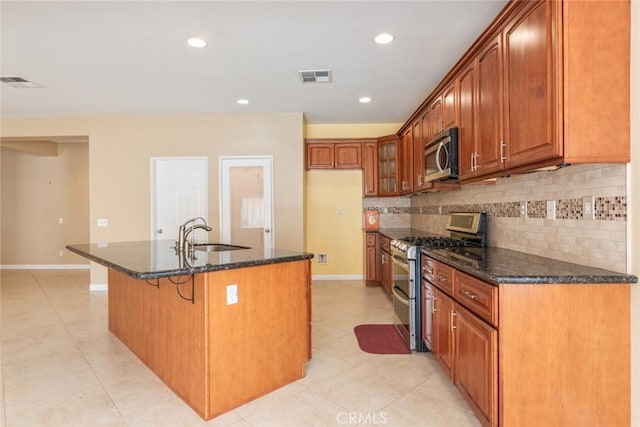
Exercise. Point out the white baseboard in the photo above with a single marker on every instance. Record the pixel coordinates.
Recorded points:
(98, 287)
(337, 277)
(44, 267)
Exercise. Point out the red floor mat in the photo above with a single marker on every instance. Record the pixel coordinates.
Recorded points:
(380, 339)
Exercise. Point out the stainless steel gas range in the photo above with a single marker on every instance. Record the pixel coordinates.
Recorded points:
(466, 229)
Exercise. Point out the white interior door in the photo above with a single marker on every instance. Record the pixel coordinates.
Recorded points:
(246, 201)
(178, 193)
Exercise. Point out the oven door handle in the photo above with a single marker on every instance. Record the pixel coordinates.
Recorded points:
(396, 293)
(400, 262)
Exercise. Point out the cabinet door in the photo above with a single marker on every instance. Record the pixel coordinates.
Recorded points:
(348, 156)
(387, 170)
(428, 314)
(450, 106)
(435, 117)
(476, 365)
(418, 154)
(467, 92)
(320, 155)
(371, 258)
(443, 331)
(370, 168)
(386, 273)
(406, 162)
(529, 86)
(489, 117)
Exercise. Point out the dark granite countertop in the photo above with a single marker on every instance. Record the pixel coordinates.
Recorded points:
(154, 259)
(497, 266)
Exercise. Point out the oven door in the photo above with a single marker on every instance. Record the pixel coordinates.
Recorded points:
(404, 299)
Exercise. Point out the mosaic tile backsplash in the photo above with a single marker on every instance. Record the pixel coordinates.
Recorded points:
(517, 213)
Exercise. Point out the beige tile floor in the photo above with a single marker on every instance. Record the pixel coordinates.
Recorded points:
(61, 367)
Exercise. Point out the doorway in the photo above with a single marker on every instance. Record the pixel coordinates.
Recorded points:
(178, 192)
(246, 201)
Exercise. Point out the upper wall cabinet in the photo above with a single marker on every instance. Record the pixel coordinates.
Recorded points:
(387, 165)
(538, 82)
(535, 90)
(329, 154)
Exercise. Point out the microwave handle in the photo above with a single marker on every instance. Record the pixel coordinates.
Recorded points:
(441, 147)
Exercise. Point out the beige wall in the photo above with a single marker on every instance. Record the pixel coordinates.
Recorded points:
(340, 236)
(120, 148)
(634, 211)
(36, 192)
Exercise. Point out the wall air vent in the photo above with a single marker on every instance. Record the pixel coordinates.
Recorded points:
(315, 76)
(18, 82)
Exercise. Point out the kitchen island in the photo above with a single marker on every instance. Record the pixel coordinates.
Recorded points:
(221, 328)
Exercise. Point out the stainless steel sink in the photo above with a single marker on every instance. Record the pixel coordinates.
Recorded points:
(217, 247)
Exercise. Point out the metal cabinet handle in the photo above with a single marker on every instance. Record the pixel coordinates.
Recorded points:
(442, 278)
(453, 314)
(470, 294)
(433, 309)
(503, 158)
(428, 270)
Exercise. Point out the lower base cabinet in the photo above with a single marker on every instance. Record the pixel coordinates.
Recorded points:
(533, 354)
(476, 364)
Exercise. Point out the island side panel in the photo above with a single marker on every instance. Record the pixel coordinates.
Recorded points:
(262, 342)
(165, 331)
(564, 355)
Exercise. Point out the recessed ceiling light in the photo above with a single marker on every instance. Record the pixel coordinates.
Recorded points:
(384, 38)
(242, 101)
(364, 100)
(197, 42)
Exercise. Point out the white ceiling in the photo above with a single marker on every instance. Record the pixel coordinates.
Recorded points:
(122, 57)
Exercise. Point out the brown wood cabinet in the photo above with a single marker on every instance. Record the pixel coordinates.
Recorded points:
(333, 155)
(443, 331)
(476, 364)
(387, 165)
(418, 151)
(488, 65)
(428, 315)
(370, 169)
(525, 90)
(560, 352)
(371, 258)
(405, 164)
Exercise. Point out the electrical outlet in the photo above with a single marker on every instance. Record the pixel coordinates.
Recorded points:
(523, 209)
(339, 211)
(232, 294)
(322, 259)
(551, 209)
(60, 252)
(102, 222)
(588, 208)
(61, 220)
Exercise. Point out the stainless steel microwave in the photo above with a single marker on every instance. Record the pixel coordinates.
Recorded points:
(441, 157)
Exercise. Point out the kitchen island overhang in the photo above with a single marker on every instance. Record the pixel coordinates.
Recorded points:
(213, 352)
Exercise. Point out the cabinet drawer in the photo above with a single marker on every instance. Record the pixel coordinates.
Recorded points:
(385, 243)
(371, 239)
(428, 268)
(443, 277)
(478, 296)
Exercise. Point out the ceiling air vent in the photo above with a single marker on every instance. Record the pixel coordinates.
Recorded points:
(315, 76)
(18, 82)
